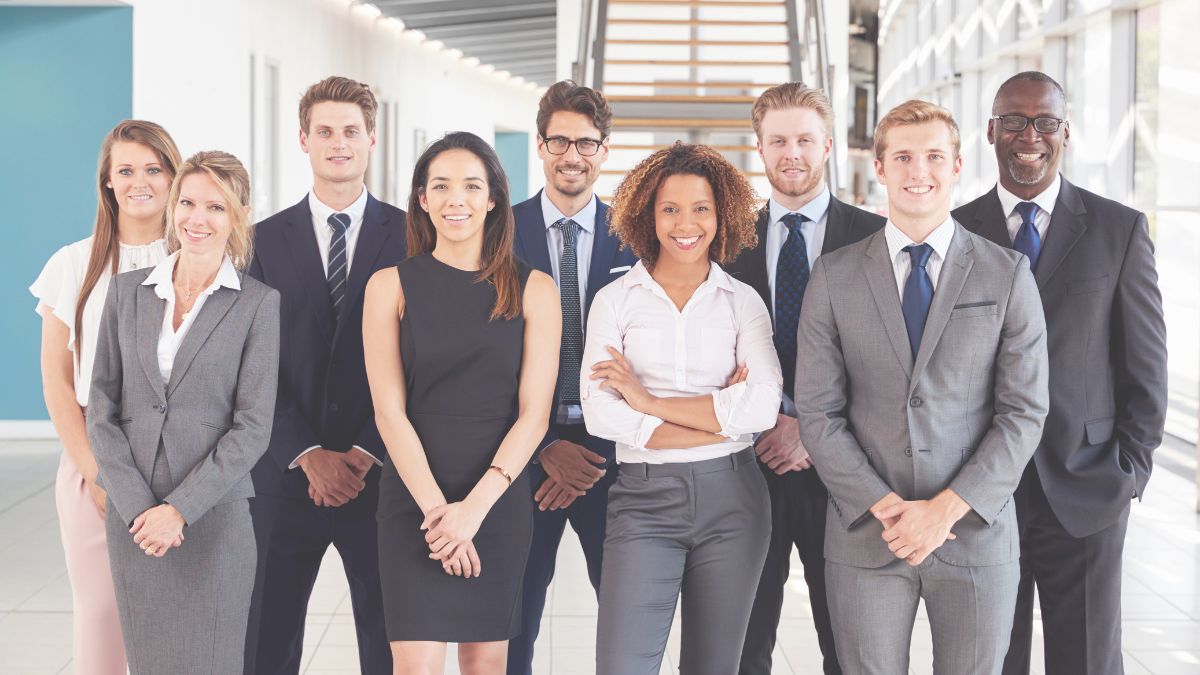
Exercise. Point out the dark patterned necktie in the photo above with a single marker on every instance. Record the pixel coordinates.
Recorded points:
(918, 295)
(570, 356)
(336, 271)
(791, 278)
(1028, 241)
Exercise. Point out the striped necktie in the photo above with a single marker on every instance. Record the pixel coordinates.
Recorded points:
(336, 272)
(570, 357)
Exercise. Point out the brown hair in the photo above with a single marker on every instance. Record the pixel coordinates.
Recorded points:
(566, 96)
(910, 113)
(339, 90)
(631, 217)
(497, 264)
(791, 95)
(234, 183)
(106, 245)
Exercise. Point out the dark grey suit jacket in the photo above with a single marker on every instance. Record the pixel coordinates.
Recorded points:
(1108, 352)
(214, 416)
(965, 414)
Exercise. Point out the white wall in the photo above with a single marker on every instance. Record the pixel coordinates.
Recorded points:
(192, 74)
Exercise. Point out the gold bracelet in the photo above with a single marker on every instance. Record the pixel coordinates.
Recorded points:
(504, 473)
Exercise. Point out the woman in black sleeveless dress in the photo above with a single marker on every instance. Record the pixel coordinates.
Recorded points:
(461, 348)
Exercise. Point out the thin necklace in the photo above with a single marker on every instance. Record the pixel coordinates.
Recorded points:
(187, 300)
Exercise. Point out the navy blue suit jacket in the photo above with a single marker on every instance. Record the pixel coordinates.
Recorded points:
(608, 262)
(323, 394)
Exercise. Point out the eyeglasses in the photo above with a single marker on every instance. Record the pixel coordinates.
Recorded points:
(586, 147)
(1042, 125)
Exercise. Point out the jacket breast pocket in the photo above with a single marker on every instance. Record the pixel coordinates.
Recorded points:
(970, 310)
(1084, 286)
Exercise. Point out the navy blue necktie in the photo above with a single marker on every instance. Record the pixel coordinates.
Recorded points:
(1028, 241)
(570, 355)
(791, 278)
(918, 295)
(335, 274)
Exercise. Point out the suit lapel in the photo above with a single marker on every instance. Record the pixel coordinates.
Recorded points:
(371, 240)
(1066, 227)
(531, 231)
(839, 226)
(950, 284)
(150, 310)
(753, 266)
(211, 313)
(881, 277)
(992, 221)
(604, 253)
(306, 257)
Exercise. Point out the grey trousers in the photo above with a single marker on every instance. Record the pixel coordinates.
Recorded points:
(970, 615)
(699, 530)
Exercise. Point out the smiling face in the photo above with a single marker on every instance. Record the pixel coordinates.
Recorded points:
(456, 195)
(1028, 160)
(139, 181)
(685, 219)
(337, 142)
(571, 174)
(203, 220)
(794, 147)
(919, 169)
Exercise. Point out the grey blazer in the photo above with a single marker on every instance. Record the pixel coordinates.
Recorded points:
(213, 418)
(966, 415)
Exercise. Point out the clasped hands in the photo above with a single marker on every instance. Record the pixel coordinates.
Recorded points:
(335, 478)
(158, 529)
(914, 529)
(449, 530)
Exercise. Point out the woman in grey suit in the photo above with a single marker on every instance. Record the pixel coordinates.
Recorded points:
(182, 399)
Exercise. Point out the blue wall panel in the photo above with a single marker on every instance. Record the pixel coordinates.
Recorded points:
(66, 77)
(513, 148)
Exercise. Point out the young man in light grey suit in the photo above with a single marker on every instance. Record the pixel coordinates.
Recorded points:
(921, 397)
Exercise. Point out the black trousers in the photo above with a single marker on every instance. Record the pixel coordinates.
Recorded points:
(798, 503)
(1078, 581)
(293, 536)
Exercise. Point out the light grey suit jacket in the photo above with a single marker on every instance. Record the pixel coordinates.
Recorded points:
(214, 416)
(967, 414)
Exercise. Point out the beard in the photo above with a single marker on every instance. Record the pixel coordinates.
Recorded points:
(796, 187)
(573, 189)
(1028, 175)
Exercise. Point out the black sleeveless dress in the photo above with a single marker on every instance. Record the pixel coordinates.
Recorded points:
(462, 373)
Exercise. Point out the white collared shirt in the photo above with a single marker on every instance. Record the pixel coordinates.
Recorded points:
(817, 212)
(169, 339)
(939, 240)
(682, 353)
(324, 232)
(1045, 202)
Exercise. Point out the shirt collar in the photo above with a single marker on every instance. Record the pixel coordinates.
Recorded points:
(814, 210)
(160, 277)
(1045, 200)
(638, 275)
(939, 239)
(586, 218)
(321, 212)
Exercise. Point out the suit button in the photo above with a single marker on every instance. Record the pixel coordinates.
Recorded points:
(333, 407)
(908, 452)
(160, 408)
(915, 401)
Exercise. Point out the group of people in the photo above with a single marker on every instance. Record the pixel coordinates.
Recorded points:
(948, 406)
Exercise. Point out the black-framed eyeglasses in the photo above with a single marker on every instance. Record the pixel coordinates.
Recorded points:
(1042, 125)
(586, 147)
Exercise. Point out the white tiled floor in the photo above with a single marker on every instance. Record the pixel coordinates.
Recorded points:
(1161, 588)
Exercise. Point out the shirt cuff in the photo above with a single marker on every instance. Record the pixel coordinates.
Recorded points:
(645, 430)
(724, 401)
(373, 457)
(296, 462)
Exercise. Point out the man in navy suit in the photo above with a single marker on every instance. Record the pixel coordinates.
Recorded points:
(563, 231)
(318, 483)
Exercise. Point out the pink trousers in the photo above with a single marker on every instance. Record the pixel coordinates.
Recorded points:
(99, 649)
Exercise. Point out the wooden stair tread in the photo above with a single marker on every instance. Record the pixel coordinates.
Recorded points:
(719, 148)
(678, 98)
(706, 85)
(681, 122)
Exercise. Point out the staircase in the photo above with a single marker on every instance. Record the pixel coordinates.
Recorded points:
(687, 70)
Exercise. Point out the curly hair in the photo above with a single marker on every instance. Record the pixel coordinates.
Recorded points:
(631, 217)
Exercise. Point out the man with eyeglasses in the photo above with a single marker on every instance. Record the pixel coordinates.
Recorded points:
(1094, 265)
(563, 231)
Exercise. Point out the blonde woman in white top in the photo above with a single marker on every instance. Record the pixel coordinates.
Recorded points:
(138, 161)
(680, 370)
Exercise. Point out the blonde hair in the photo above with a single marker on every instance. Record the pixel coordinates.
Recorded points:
(339, 90)
(910, 113)
(792, 95)
(234, 183)
(106, 245)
